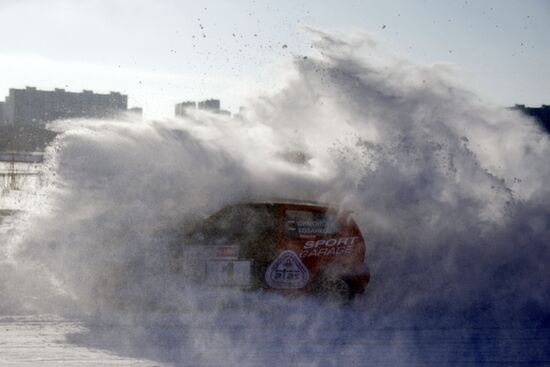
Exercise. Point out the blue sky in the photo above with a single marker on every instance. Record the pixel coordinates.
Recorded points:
(162, 52)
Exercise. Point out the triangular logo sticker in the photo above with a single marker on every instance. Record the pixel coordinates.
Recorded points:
(287, 272)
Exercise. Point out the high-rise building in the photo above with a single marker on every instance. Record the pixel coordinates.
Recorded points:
(136, 111)
(32, 107)
(212, 105)
(183, 108)
(2, 115)
(541, 114)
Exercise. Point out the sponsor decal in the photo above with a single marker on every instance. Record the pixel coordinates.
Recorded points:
(310, 224)
(227, 252)
(329, 247)
(309, 228)
(228, 273)
(195, 257)
(287, 272)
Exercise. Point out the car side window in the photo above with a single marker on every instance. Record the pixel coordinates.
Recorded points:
(216, 228)
(237, 223)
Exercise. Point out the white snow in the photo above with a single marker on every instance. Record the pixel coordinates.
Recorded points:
(42, 341)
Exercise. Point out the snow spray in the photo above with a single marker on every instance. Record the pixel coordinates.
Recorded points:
(450, 192)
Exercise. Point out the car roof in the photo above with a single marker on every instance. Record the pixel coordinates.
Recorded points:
(282, 201)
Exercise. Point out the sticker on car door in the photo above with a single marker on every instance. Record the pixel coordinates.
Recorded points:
(225, 273)
(287, 272)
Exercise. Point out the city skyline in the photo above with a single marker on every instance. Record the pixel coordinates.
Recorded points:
(160, 53)
(32, 107)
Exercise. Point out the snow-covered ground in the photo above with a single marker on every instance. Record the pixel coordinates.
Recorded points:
(42, 341)
(18, 181)
(46, 340)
